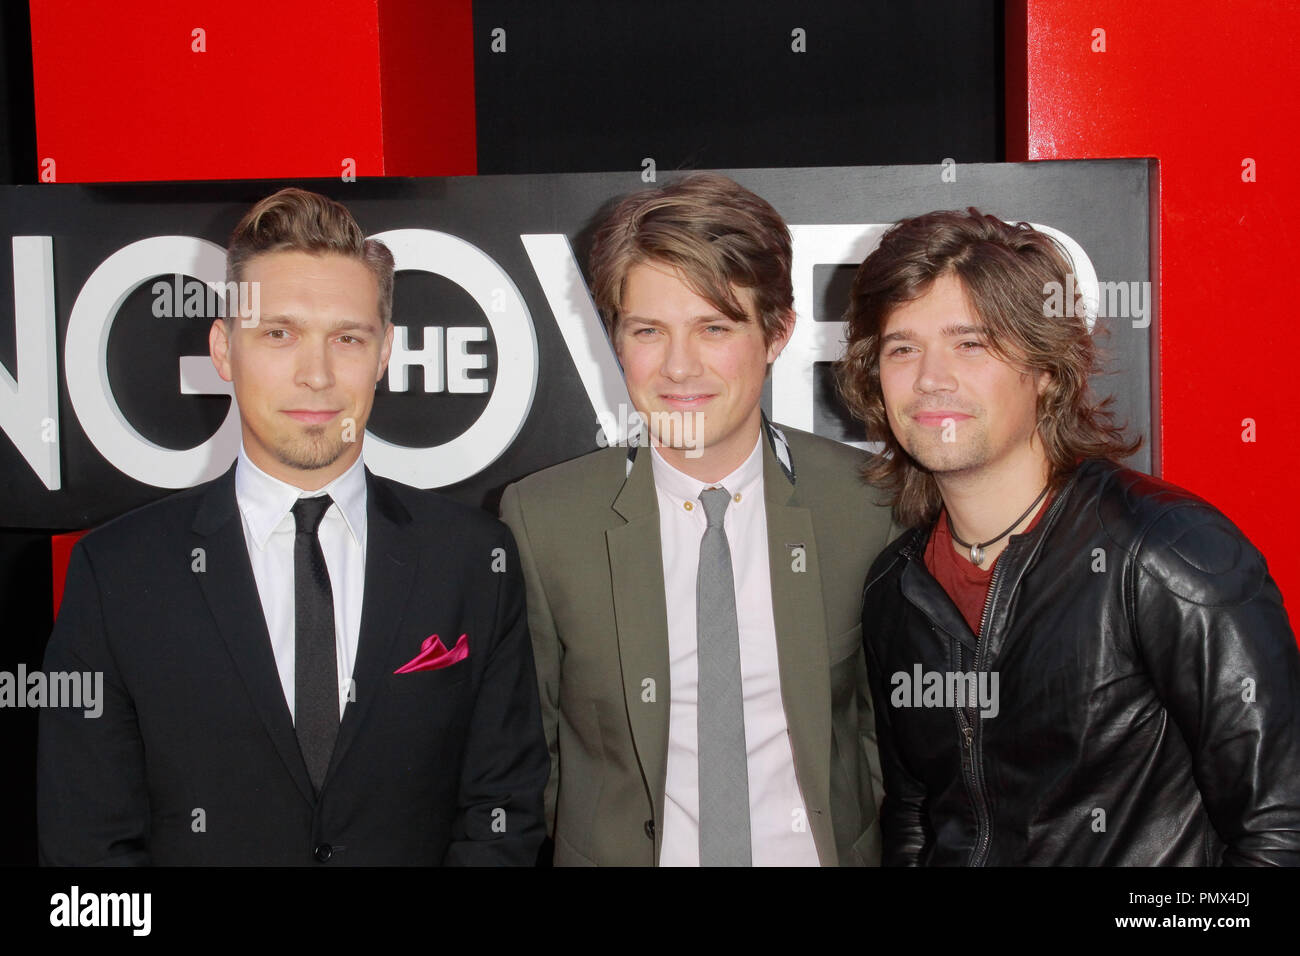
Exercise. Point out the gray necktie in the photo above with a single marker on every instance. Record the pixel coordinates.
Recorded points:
(724, 769)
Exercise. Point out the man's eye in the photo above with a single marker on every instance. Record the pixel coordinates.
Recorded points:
(643, 333)
(717, 329)
(349, 339)
(277, 333)
(969, 346)
(900, 349)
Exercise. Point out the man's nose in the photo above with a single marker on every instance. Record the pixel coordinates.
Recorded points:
(681, 358)
(935, 371)
(315, 367)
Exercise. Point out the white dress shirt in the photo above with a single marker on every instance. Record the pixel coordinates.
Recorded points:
(266, 506)
(779, 833)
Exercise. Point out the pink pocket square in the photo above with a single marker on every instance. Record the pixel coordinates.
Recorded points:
(433, 656)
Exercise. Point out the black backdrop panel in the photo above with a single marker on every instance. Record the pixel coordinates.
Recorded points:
(17, 103)
(485, 231)
(593, 85)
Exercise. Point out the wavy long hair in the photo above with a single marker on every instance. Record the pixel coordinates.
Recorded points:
(1007, 272)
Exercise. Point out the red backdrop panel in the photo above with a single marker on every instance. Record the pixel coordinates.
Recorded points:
(60, 555)
(427, 56)
(286, 89)
(1203, 86)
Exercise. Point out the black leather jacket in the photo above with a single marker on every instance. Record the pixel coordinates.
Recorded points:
(1147, 706)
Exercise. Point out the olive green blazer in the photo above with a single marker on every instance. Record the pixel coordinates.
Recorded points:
(588, 536)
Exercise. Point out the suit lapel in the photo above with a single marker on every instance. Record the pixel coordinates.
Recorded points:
(392, 555)
(231, 593)
(636, 570)
(803, 652)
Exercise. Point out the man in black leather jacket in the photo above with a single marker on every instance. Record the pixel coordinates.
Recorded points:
(1109, 678)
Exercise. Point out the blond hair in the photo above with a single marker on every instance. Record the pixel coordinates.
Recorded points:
(295, 220)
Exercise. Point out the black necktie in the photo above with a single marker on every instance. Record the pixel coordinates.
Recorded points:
(316, 682)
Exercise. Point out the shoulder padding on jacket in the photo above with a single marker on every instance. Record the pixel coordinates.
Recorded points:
(1201, 556)
(1179, 540)
(576, 481)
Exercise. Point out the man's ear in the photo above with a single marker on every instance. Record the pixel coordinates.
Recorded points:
(219, 348)
(1044, 379)
(782, 338)
(385, 352)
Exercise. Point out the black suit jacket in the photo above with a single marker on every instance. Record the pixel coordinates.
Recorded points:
(194, 758)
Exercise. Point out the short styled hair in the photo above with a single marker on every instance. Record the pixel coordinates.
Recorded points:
(715, 231)
(295, 220)
(1006, 272)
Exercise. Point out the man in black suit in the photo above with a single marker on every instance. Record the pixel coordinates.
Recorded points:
(303, 663)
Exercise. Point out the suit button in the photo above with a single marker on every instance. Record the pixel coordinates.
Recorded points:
(650, 828)
(323, 853)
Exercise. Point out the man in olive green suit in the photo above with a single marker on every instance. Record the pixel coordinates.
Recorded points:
(694, 599)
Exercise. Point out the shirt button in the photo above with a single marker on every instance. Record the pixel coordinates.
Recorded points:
(688, 505)
(650, 828)
(323, 853)
(736, 496)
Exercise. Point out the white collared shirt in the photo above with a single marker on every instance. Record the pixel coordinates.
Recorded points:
(779, 832)
(266, 507)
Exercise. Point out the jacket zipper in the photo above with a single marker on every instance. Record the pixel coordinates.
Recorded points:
(983, 817)
(967, 721)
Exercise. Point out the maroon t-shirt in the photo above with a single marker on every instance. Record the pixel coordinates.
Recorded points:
(966, 584)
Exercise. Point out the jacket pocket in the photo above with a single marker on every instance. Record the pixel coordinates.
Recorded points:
(868, 846)
(566, 855)
(844, 646)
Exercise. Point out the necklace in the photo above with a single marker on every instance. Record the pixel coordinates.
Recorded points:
(977, 550)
